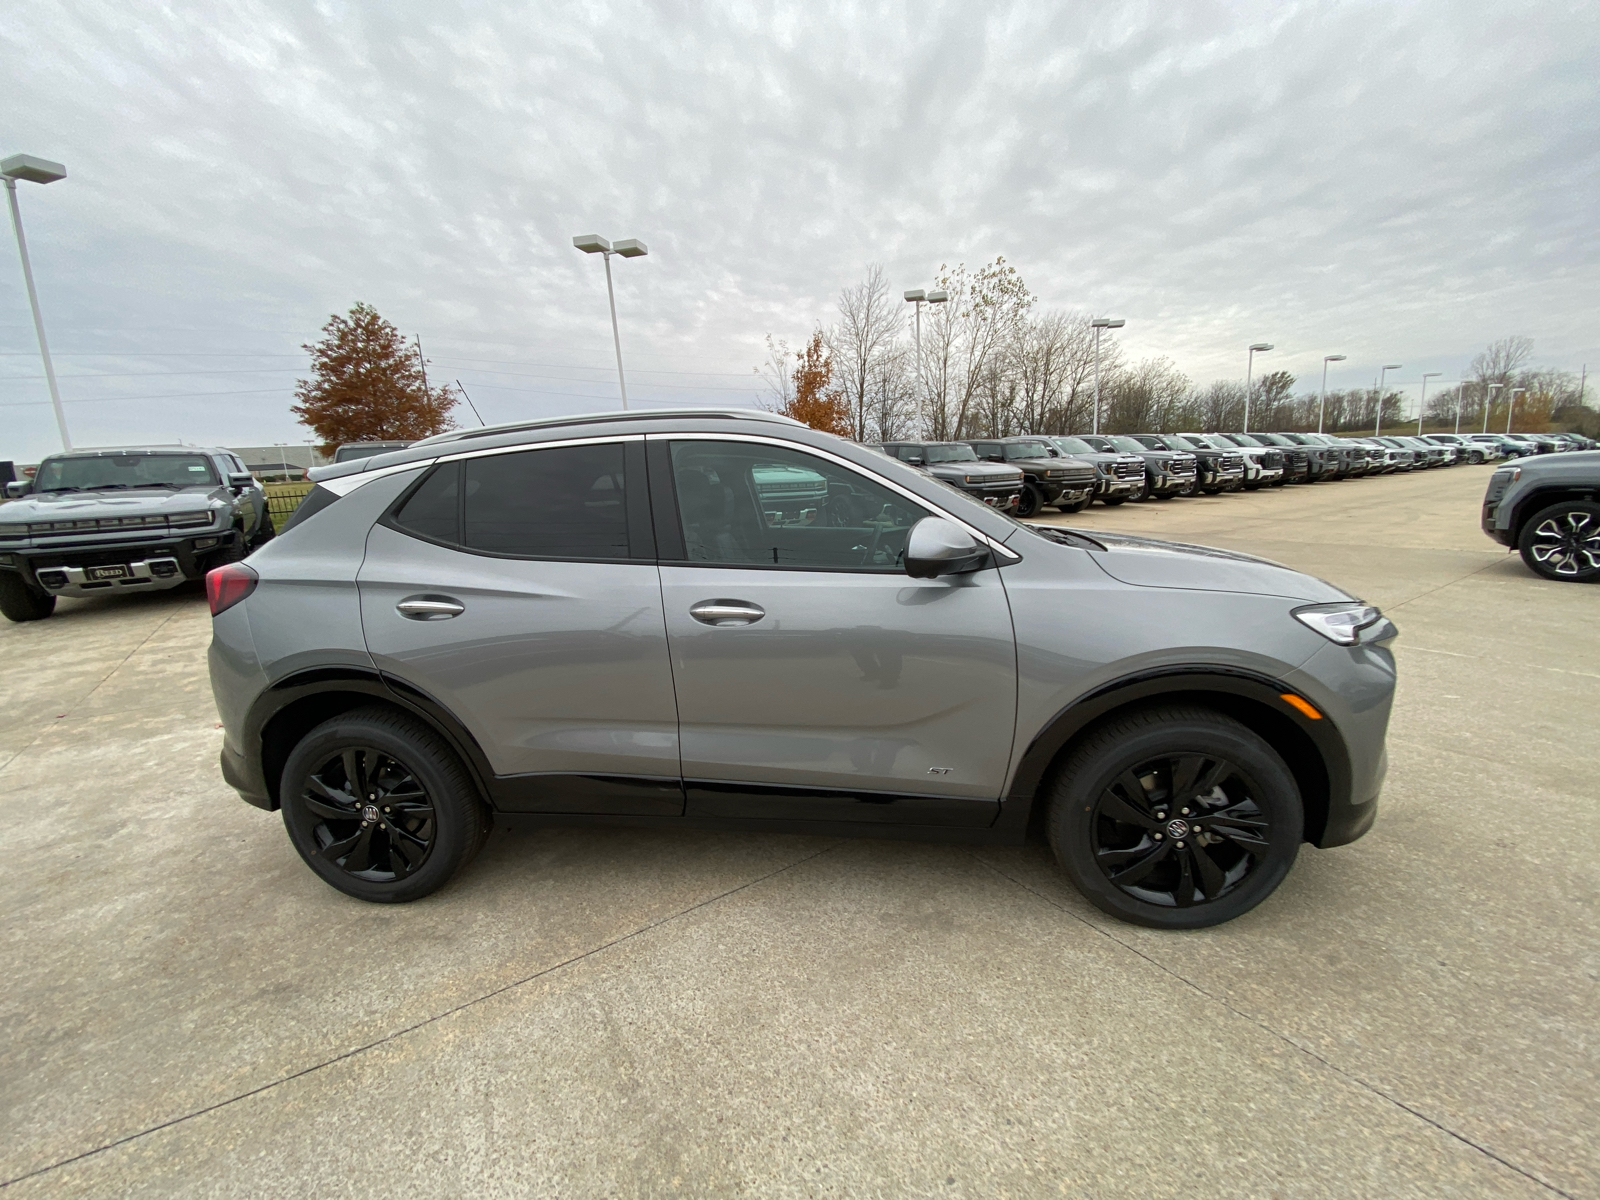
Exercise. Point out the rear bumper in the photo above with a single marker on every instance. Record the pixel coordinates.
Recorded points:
(242, 778)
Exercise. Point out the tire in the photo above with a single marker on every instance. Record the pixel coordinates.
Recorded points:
(1113, 501)
(265, 534)
(1029, 502)
(1475, 459)
(1076, 506)
(1561, 542)
(1103, 818)
(1161, 495)
(234, 551)
(21, 601)
(345, 838)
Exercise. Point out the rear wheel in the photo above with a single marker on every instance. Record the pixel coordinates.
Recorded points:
(1177, 818)
(1560, 542)
(379, 807)
(265, 533)
(21, 601)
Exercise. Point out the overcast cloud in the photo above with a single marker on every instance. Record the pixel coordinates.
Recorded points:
(1399, 183)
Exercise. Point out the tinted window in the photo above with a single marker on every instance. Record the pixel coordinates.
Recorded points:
(566, 502)
(907, 453)
(749, 505)
(112, 471)
(434, 509)
(960, 452)
(1072, 445)
(1015, 451)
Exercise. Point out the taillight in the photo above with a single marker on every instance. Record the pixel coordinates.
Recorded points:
(228, 585)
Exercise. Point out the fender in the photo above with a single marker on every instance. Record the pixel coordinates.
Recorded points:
(1254, 698)
(266, 753)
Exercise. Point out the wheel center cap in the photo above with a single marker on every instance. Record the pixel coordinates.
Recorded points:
(1177, 829)
(370, 813)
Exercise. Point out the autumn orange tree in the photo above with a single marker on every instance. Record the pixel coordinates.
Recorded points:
(368, 384)
(816, 401)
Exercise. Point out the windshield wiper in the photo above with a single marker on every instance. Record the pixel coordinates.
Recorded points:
(1067, 537)
(104, 487)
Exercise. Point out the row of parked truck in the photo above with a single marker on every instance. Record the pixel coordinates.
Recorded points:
(1023, 475)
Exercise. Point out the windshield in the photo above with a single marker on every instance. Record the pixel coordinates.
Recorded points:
(1196, 440)
(953, 453)
(1102, 444)
(1243, 439)
(1074, 445)
(1127, 445)
(1019, 450)
(112, 471)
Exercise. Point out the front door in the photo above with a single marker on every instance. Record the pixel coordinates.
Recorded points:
(815, 679)
(520, 591)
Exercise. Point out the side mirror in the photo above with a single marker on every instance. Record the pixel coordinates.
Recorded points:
(241, 479)
(938, 547)
(915, 460)
(15, 491)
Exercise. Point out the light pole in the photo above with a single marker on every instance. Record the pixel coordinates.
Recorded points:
(919, 297)
(1488, 395)
(1461, 398)
(593, 243)
(1511, 407)
(1322, 405)
(35, 170)
(1423, 403)
(1099, 323)
(1382, 376)
(1249, 375)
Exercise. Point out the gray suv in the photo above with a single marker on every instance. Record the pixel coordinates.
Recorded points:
(1548, 510)
(599, 621)
(123, 520)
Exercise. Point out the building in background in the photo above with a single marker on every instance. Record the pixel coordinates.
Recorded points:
(280, 463)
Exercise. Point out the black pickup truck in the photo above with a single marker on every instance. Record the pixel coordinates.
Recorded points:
(1048, 476)
(956, 463)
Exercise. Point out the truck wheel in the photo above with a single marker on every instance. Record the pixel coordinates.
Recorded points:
(379, 807)
(1030, 501)
(233, 552)
(1560, 542)
(265, 534)
(21, 601)
(1113, 501)
(1176, 818)
(1076, 506)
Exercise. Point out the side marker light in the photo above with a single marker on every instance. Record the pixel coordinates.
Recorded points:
(1303, 706)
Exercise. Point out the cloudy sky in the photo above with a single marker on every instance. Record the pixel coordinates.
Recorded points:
(1396, 182)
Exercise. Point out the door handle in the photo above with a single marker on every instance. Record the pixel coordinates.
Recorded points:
(430, 608)
(727, 612)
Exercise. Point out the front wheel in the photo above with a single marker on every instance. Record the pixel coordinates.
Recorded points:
(1113, 501)
(1176, 818)
(379, 807)
(20, 601)
(1030, 501)
(1076, 506)
(1561, 542)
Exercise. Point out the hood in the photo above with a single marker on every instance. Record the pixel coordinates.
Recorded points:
(989, 470)
(137, 502)
(1146, 562)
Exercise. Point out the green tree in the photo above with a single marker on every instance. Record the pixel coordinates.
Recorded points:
(369, 384)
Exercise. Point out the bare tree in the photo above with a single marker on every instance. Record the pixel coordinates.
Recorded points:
(776, 375)
(869, 323)
(965, 335)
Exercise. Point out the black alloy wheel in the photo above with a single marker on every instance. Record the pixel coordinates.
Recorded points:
(1076, 506)
(1030, 501)
(1177, 818)
(1113, 501)
(1562, 542)
(379, 807)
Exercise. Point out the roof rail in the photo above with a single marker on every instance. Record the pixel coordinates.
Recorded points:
(645, 414)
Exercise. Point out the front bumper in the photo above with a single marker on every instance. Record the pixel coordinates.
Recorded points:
(1109, 485)
(151, 566)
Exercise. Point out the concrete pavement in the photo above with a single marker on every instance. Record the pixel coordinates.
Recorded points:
(187, 1010)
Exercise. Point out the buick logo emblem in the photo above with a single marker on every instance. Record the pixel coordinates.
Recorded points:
(1177, 829)
(370, 813)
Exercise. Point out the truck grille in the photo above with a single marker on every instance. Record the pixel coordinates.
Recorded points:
(1272, 460)
(1231, 462)
(105, 524)
(1129, 470)
(1074, 476)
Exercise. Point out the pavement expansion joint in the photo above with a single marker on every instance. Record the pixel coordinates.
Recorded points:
(397, 1034)
(1221, 1002)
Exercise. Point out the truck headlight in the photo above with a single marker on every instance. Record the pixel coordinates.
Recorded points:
(1340, 623)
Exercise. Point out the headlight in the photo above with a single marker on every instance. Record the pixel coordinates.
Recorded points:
(1339, 623)
(190, 520)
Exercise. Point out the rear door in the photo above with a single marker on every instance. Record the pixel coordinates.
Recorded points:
(815, 679)
(519, 590)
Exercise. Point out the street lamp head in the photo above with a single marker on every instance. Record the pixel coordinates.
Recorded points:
(938, 297)
(916, 294)
(1333, 358)
(592, 243)
(1262, 346)
(1432, 374)
(1514, 391)
(34, 170)
(630, 248)
(1107, 323)
(1393, 366)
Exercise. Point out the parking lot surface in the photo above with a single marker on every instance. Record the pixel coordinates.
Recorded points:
(188, 1010)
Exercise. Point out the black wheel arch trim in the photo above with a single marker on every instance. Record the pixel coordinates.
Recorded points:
(288, 708)
(1324, 776)
(1536, 499)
